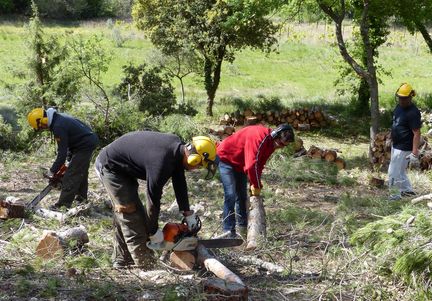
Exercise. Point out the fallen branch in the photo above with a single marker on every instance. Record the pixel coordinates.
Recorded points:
(273, 268)
(61, 217)
(426, 197)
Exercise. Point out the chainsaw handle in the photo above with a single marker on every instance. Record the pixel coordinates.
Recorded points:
(58, 175)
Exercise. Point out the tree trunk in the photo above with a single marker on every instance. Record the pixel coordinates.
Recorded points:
(423, 30)
(212, 79)
(182, 90)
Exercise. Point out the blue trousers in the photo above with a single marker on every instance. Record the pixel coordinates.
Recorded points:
(235, 197)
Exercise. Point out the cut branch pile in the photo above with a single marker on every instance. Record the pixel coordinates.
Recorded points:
(300, 119)
(381, 151)
(329, 155)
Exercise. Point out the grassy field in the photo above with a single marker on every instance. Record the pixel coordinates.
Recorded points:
(304, 67)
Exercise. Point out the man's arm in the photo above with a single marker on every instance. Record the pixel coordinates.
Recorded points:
(416, 142)
(62, 149)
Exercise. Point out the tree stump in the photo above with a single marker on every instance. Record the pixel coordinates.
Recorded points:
(12, 208)
(257, 232)
(55, 244)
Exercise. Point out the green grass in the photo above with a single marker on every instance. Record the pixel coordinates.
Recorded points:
(304, 67)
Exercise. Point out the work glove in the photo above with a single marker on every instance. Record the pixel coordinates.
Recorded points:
(156, 240)
(255, 191)
(193, 222)
(414, 161)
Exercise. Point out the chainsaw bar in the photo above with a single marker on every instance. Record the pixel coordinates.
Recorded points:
(221, 242)
(39, 197)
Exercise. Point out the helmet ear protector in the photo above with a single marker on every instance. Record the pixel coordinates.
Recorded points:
(285, 132)
(194, 159)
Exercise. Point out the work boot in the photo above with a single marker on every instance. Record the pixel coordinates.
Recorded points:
(394, 197)
(80, 200)
(408, 193)
(58, 207)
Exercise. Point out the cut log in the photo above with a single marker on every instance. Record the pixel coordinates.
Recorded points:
(54, 244)
(257, 232)
(12, 208)
(315, 152)
(229, 130)
(376, 182)
(330, 155)
(218, 290)
(251, 120)
(304, 126)
(248, 113)
(340, 163)
(206, 260)
(271, 267)
(183, 260)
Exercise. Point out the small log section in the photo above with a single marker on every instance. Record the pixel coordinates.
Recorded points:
(329, 155)
(12, 208)
(228, 287)
(256, 232)
(55, 244)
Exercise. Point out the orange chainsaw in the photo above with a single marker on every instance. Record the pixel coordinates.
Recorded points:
(54, 182)
(178, 237)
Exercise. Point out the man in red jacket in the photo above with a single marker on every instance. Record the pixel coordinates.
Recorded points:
(242, 157)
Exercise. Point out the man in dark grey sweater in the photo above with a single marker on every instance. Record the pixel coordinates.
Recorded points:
(75, 140)
(156, 158)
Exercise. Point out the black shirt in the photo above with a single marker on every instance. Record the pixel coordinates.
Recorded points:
(154, 157)
(405, 120)
(71, 135)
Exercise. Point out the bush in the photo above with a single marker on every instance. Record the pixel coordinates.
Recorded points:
(183, 126)
(150, 87)
(6, 135)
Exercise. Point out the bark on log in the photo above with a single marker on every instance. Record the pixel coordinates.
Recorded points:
(257, 232)
(219, 290)
(61, 217)
(216, 267)
(54, 244)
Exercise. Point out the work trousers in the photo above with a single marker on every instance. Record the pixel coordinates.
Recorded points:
(397, 172)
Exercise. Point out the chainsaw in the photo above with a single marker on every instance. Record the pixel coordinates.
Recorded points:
(54, 182)
(178, 237)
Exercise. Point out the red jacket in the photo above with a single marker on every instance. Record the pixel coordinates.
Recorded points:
(247, 151)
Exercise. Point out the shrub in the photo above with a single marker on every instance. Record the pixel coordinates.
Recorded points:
(6, 135)
(183, 126)
(150, 87)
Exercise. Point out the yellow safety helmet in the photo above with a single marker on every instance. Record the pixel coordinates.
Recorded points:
(405, 90)
(37, 117)
(202, 150)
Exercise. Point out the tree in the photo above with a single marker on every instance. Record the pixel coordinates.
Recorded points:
(415, 15)
(178, 64)
(371, 17)
(216, 29)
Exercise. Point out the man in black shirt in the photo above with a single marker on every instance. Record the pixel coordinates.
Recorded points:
(156, 158)
(406, 139)
(76, 141)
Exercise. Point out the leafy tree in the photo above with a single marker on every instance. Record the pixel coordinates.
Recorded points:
(151, 88)
(51, 79)
(371, 17)
(216, 29)
(415, 15)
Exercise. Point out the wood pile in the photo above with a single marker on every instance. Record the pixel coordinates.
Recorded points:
(329, 155)
(381, 151)
(301, 119)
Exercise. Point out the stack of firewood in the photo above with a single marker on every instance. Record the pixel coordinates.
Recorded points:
(329, 155)
(301, 119)
(381, 151)
(222, 132)
(426, 119)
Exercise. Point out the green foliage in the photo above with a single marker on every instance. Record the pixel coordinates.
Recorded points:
(402, 249)
(6, 6)
(216, 29)
(51, 288)
(181, 125)
(51, 78)
(7, 137)
(150, 87)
